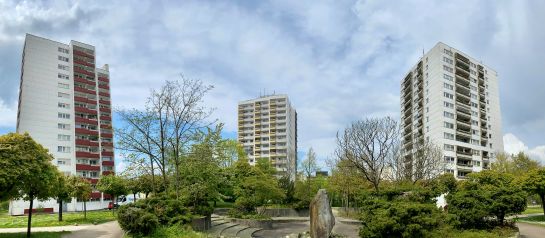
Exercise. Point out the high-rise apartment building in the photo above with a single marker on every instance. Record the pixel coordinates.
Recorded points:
(64, 104)
(267, 128)
(452, 100)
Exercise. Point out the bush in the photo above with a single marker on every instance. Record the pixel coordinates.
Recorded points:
(168, 211)
(135, 220)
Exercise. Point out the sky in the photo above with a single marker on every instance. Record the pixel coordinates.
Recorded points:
(339, 61)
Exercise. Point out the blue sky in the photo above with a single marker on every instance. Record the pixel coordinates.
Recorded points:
(339, 61)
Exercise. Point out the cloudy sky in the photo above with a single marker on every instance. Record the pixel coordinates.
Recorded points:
(339, 61)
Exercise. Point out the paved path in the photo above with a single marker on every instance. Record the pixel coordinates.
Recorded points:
(290, 225)
(105, 230)
(531, 230)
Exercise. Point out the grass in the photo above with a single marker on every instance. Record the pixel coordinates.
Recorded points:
(533, 210)
(69, 218)
(35, 234)
(539, 218)
(498, 232)
(172, 232)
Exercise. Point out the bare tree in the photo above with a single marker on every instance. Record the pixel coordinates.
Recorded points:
(367, 145)
(423, 162)
(309, 165)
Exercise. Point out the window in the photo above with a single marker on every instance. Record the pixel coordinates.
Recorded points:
(448, 105)
(63, 50)
(447, 60)
(474, 96)
(449, 159)
(448, 114)
(92, 162)
(64, 67)
(64, 115)
(449, 125)
(448, 147)
(63, 126)
(63, 76)
(448, 136)
(62, 137)
(473, 87)
(448, 95)
(448, 86)
(474, 104)
(62, 58)
(93, 174)
(448, 52)
(63, 85)
(475, 142)
(448, 69)
(448, 77)
(63, 95)
(474, 113)
(64, 162)
(474, 122)
(476, 152)
(63, 149)
(64, 105)
(106, 158)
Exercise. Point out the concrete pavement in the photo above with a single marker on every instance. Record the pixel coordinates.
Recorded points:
(527, 230)
(105, 230)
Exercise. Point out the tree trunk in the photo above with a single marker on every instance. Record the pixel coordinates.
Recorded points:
(114, 203)
(542, 196)
(134, 196)
(84, 210)
(146, 195)
(29, 216)
(60, 209)
(152, 177)
(501, 217)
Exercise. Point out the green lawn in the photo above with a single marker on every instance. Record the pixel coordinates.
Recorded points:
(35, 235)
(42, 220)
(172, 232)
(539, 218)
(533, 210)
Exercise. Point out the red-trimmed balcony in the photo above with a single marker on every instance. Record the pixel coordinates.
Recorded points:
(105, 102)
(86, 121)
(84, 90)
(83, 154)
(86, 131)
(105, 109)
(107, 135)
(107, 153)
(84, 100)
(107, 196)
(107, 163)
(87, 167)
(107, 144)
(104, 94)
(81, 71)
(92, 180)
(84, 63)
(107, 172)
(81, 53)
(86, 142)
(85, 110)
(95, 195)
(105, 126)
(104, 86)
(103, 79)
(105, 118)
(85, 81)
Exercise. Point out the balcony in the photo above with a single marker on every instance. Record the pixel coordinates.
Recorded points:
(105, 109)
(104, 86)
(462, 73)
(461, 58)
(84, 90)
(83, 154)
(105, 118)
(86, 142)
(81, 71)
(105, 102)
(107, 144)
(108, 163)
(86, 131)
(81, 53)
(88, 64)
(105, 126)
(85, 100)
(107, 153)
(87, 167)
(106, 135)
(86, 121)
(85, 110)
(85, 81)
(104, 94)
(103, 79)
(107, 172)
(92, 180)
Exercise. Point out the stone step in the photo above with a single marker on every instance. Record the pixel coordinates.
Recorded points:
(216, 219)
(217, 223)
(233, 231)
(215, 231)
(248, 232)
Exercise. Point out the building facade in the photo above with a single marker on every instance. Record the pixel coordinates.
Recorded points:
(64, 104)
(267, 128)
(452, 100)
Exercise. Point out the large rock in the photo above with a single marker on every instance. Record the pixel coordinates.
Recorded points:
(321, 217)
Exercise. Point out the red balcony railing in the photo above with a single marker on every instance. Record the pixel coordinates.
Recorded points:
(104, 126)
(92, 180)
(104, 94)
(103, 79)
(81, 71)
(85, 81)
(107, 144)
(81, 53)
(107, 172)
(86, 131)
(107, 135)
(84, 100)
(95, 195)
(83, 154)
(104, 86)
(86, 121)
(84, 63)
(106, 109)
(105, 102)
(84, 90)
(108, 163)
(107, 153)
(85, 110)
(86, 142)
(105, 118)
(87, 167)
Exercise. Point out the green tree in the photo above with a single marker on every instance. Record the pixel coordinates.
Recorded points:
(145, 182)
(27, 171)
(134, 186)
(81, 190)
(535, 183)
(522, 164)
(113, 185)
(61, 191)
(346, 182)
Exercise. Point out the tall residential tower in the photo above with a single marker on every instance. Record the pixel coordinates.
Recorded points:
(452, 100)
(64, 104)
(267, 128)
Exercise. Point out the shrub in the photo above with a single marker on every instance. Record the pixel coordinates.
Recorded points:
(168, 211)
(135, 220)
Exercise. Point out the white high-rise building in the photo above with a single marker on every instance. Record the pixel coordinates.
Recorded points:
(452, 100)
(64, 104)
(267, 128)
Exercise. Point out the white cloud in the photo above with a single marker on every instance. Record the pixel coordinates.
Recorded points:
(9, 114)
(513, 145)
